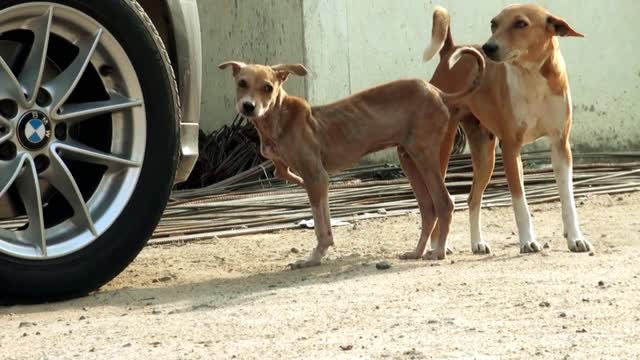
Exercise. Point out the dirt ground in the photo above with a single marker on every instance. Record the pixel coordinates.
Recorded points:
(234, 298)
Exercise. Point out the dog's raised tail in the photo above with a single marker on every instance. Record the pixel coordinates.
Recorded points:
(477, 80)
(441, 40)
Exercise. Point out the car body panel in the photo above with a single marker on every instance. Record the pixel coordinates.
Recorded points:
(178, 24)
(188, 54)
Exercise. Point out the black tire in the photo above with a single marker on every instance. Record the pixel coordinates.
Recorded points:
(91, 267)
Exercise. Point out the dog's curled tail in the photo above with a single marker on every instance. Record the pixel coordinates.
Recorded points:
(477, 80)
(441, 40)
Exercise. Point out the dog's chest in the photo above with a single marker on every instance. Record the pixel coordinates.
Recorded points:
(268, 149)
(536, 110)
(268, 146)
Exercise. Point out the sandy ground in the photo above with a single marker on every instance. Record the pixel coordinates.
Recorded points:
(234, 298)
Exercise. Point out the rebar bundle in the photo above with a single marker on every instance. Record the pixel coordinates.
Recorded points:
(254, 202)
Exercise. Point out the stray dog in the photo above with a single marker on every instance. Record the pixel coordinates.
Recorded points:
(316, 141)
(524, 96)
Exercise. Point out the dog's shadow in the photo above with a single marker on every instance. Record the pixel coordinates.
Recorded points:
(228, 291)
(219, 292)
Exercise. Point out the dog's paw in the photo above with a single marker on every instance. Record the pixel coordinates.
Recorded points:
(481, 248)
(580, 245)
(530, 247)
(297, 181)
(411, 255)
(435, 255)
(301, 264)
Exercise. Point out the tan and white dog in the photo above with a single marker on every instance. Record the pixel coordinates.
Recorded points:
(524, 96)
(411, 115)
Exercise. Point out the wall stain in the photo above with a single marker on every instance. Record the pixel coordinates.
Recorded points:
(588, 108)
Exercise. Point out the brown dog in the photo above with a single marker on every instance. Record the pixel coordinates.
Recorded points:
(316, 141)
(524, 96)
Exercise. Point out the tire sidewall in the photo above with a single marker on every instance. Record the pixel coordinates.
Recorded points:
(109, 254)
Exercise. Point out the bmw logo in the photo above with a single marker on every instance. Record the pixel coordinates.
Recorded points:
(34, 130)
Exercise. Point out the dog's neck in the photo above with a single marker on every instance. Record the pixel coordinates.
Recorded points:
(267, 123)
(547, 63)
(535, 58)
(270, 125)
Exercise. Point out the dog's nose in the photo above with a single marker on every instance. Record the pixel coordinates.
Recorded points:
(248, 107)
(489, 48)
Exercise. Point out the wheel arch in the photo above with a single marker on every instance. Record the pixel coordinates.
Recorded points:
(178, 25)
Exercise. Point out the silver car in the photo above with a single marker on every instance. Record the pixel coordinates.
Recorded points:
(99, 112)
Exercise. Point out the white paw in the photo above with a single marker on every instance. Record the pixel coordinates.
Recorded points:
(580, 245)
(481, 248)
(530, 247)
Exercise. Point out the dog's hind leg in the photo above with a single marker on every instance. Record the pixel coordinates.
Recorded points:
(513, 170)
(427, 213)
(445, 153)
(442, 203)
(483, 154)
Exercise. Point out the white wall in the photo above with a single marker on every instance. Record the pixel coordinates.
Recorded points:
(385, 40)
(349, 45)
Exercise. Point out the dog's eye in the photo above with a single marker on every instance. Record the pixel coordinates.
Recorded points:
(494, 26)
(268, 88)
(242, 84)
(520, 24)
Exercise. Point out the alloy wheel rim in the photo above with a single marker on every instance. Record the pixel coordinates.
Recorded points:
(40, 116)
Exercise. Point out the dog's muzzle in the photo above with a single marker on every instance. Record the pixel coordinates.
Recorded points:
(248, 108)
(491, 50)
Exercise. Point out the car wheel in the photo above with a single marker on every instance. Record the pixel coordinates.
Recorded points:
(88, 142)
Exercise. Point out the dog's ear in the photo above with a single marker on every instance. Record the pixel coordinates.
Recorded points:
(283, 70)
(560, 27)
(235, 65)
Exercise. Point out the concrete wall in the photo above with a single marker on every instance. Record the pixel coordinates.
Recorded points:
(351, 45)
(256, 31)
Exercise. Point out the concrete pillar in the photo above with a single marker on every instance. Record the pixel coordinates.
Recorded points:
(257, 31)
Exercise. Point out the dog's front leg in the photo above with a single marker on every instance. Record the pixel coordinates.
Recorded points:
(283, 172)
(513, 171)
(562, 169)
(317, 186)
